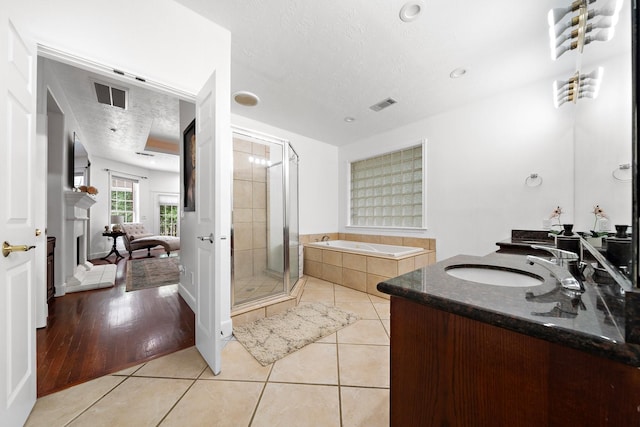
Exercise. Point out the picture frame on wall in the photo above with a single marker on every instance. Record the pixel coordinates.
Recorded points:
(189, 166)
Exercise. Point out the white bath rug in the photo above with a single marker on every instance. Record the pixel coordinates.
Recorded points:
(271, 338)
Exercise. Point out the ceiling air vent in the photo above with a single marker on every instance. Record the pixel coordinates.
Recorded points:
(383, 104)
(111, 95)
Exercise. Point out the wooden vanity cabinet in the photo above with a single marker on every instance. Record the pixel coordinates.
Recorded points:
(448, 370)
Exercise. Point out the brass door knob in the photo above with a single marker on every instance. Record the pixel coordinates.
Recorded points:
(7, 248)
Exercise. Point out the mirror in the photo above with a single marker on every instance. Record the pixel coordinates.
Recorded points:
(79, 164)
(603, 135)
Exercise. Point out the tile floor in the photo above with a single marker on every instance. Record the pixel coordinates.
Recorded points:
(256, 287)
(341, 380)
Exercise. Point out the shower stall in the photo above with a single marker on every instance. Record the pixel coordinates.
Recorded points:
(264, 231)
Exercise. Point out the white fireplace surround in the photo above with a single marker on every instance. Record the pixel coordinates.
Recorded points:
(84, 275)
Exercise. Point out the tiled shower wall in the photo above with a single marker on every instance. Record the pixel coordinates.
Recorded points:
(249, 209)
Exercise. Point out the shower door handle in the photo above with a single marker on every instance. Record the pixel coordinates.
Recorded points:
(209, 238)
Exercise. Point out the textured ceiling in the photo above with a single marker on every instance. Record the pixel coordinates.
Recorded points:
(312, 63)
(148, 114)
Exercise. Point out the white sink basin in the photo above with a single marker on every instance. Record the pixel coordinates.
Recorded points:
(492, 275)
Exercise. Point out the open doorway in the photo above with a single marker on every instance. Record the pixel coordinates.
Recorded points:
(95, 332)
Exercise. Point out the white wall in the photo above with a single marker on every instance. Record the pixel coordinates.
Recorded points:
(159, 40)
(61, 128)
(318, 176)
(478, 158)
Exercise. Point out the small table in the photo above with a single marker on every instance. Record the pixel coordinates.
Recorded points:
(114, 250)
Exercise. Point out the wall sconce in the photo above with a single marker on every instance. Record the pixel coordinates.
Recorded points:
(561, 40)
(576, 87)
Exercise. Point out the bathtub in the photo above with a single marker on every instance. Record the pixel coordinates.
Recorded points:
(367, 248)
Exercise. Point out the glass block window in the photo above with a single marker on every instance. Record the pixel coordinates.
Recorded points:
(124, 195)
(387, 190)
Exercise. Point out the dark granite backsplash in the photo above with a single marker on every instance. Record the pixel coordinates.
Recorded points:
(593, 321)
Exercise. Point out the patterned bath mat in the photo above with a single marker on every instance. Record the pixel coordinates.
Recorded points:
(152, 272)
(272, 338)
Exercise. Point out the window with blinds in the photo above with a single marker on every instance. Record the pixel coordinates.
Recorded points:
(388, 190)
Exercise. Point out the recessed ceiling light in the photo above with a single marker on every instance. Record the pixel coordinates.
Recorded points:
(247, 99)
(113, 129)
(410, 11)
(349, 119)
(458, 72)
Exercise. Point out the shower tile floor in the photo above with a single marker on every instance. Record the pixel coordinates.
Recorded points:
(256, 287)
(341, 380)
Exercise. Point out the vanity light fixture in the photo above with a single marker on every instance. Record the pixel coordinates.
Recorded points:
(246, 99)
(572, 33)
(556, 14)
(576, 87)
(410, 11)
(602, 35)
(607, 22)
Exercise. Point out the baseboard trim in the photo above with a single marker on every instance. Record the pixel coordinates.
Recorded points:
(187, 297)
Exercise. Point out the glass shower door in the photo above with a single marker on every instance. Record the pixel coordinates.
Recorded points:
(258, 220)
(294, 235)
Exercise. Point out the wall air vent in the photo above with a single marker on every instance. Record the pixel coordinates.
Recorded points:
(110, 95)
(141, 153)
(383, 104)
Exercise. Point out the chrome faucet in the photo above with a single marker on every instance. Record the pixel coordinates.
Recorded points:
(562, 258)
(325, 238)
(566, 279)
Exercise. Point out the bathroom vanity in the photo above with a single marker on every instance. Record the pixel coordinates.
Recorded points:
(466, 353)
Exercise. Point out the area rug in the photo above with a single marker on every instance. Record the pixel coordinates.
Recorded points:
(152, 272)
(271, 338)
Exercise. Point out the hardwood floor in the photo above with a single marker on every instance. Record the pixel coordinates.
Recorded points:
(94, 333)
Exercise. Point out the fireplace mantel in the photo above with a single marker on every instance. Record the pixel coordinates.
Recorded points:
(80, 200)
(81, 274)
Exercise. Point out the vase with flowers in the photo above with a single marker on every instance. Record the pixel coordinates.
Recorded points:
(556, 214)
(600, 215)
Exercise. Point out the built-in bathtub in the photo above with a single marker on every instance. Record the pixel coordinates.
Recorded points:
(367, 248)
(362, 265)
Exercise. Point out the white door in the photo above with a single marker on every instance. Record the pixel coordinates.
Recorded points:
(212, 204)
(17, 225)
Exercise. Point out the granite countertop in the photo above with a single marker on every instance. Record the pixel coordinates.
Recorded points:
(592, 321)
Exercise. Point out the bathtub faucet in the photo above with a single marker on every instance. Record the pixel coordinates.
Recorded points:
(325, 238)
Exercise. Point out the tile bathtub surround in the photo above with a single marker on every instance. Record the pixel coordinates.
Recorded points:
(341, 380)
(364, 272)
(418, 242)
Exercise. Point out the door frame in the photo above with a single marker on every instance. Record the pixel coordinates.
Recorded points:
(85, 64)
